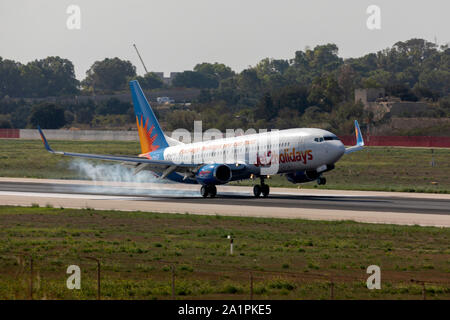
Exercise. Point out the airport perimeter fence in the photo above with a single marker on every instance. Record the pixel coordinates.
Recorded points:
(30, 276)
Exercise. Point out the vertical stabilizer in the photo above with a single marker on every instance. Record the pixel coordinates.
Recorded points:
(150, 134)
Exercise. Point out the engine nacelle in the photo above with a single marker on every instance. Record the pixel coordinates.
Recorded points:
(307, 175)
(213, 174)
(302, 176)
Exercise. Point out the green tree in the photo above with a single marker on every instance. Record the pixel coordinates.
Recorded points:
(248, 81)
(325, 92)
(181, 119)
(194, 79)
(113, 106)
(292, 97)
(10, 78)
(150, 81)
(5, 122)
(47, 115)
(109, 75)
(265, 108)
(219, 71)
(52, 76)
(346, 80)
(271, 72)
(18, 116)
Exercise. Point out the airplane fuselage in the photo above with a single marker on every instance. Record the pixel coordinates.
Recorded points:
(284, 151)
(302, 154)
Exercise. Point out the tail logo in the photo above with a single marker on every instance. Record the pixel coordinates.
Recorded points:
(146, 138)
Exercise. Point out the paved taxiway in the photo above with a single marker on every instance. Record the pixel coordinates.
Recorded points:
(376, 207)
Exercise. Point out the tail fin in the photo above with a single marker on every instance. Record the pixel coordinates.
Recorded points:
(359, 140)
(150, 134)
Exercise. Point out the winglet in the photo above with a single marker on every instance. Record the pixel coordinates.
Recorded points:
(44, 140)
(359, 140)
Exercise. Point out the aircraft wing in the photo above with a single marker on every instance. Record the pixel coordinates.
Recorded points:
(162, 164)
(359, 140)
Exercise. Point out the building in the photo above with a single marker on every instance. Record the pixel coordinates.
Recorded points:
(167, 80)
(376, 101)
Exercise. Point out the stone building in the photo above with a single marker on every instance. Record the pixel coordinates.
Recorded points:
(376, 101)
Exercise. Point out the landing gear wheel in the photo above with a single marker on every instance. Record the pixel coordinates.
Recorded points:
(265, 190)
(204, 191)
(257, 190)
(212, 191)
(321, 180)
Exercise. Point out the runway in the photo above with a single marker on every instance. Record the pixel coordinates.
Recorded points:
(374, 207)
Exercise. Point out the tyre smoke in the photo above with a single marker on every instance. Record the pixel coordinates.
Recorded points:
(104, 173)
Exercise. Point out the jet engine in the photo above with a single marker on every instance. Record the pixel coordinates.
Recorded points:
(302, 176)
(307, 175)
(213, 174)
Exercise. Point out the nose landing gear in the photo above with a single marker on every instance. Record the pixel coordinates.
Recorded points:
(321, 181)
(263, 189)
(208, 190)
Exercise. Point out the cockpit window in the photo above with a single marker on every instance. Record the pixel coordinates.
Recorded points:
(318, 139)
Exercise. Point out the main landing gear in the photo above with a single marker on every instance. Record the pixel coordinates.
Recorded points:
(321, 180)
(263, 189)
(208, 190)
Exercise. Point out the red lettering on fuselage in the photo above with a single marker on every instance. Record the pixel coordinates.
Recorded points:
(284, 157)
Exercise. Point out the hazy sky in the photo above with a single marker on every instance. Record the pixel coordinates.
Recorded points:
(174, 35)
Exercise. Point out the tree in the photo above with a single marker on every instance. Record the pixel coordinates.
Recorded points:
(47, 115)
(5, 122)
(194, 79)
(181, 119)
(346, 80)
(59, 76)
(10, 78)
(379, 79)
(345, 114)
(324, 58)
(402, 91)
(288, 118)
(271, 72)
(150, 81)
(17, 116)
(113, 106)
(219, 71)
(109, 75)
(271, 66)
(325, 92)
(52, 76)
(293, 97)
(266, 109)
(248, 81)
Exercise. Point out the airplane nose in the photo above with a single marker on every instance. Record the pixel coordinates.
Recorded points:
(338, 150)
(341, 148)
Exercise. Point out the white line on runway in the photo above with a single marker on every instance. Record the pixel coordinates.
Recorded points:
(66, 195)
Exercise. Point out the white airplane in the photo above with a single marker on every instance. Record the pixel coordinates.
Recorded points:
(302, 154)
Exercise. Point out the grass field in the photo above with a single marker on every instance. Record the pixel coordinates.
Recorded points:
(374, 168)
(289, 259)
